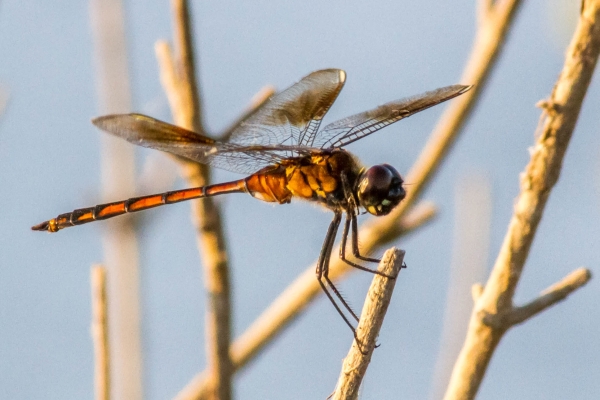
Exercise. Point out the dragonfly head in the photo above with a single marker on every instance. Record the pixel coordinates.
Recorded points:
(380, 189)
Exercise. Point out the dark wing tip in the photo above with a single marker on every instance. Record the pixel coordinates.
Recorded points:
(341, 74)
(99, 121)
(102, 121)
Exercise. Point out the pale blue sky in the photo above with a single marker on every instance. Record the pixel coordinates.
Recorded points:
(49, 164)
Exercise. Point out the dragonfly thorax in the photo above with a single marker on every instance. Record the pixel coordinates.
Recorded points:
(380, 189)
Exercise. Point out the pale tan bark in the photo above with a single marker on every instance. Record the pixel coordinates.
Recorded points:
(178, 76)
(377, 301)
(118, 181)
(99, 330)
(494, 313)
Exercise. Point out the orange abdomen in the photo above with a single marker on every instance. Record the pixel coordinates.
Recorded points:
(269, 185)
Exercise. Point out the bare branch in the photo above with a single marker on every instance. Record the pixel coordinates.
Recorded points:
(185, 67)
(378, 299)
(99, 330)
(562, 111)
(179, 81)
(421, 214)
(168, 76)
(256, 102)
(118, 181)
(549, 297)
(484, 8)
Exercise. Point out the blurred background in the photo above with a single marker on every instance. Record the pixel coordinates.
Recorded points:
(50, 164)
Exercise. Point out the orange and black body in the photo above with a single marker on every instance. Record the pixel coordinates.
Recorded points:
(284, 155)
(314, 178)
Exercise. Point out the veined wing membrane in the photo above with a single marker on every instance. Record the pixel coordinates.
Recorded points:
(292, 117)
(149, 132)
(350, 129)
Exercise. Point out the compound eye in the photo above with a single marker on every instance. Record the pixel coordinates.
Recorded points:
(380, 189)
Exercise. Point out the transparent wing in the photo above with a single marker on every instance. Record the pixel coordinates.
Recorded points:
(292, 117)
(350, 129)
(152, 133)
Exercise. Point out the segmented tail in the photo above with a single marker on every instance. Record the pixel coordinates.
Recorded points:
(109, 210)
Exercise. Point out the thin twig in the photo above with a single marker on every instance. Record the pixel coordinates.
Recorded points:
(562, 111)
(118, 181)
(555, 293)
(285, 308)
(256, 102)
(99, 330)
(178, 79)
(378, 298)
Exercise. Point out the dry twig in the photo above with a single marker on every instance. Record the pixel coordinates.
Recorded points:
(377, 232)
(118, 178)
(378, 299)
(494, 313)
(99, 330)
(179, 81)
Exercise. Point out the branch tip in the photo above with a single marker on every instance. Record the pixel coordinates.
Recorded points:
(550, 296)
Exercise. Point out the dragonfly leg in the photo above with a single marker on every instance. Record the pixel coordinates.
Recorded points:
(352, 211)
(355, 250)
(322, 271)
(350, 217)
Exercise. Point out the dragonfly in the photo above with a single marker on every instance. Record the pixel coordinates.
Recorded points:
(285, 156)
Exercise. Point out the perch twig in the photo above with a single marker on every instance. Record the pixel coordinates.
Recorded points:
(377, 301)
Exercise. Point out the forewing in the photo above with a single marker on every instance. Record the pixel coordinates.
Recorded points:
(350, 129)
(148, 132)
(152, 133)
(292, 117)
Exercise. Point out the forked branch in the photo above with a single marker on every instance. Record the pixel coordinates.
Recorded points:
(493, 313)
(552, 295)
